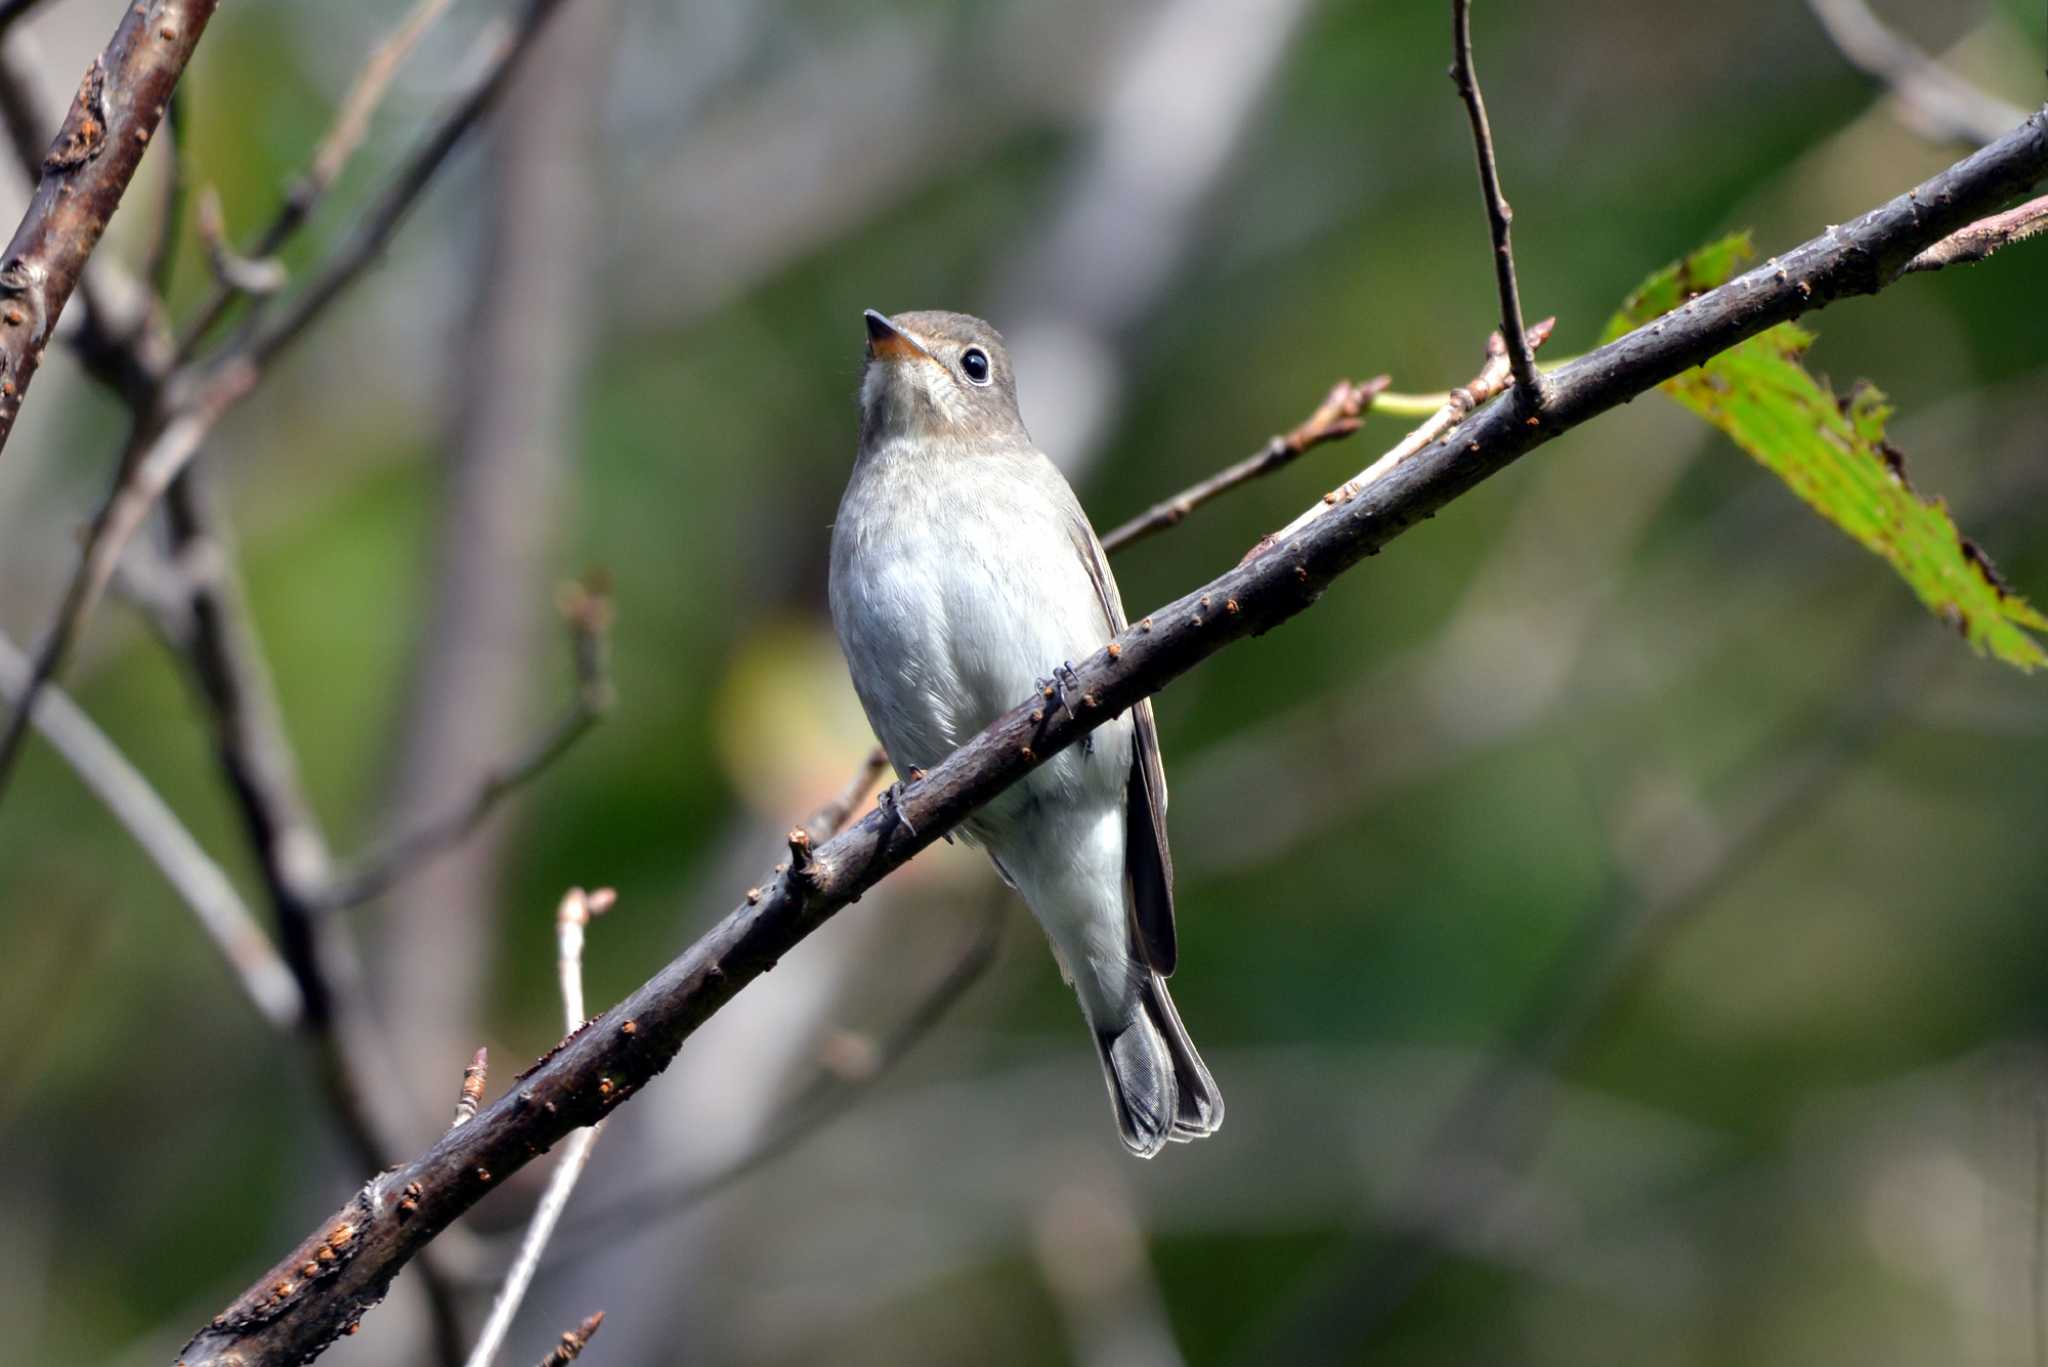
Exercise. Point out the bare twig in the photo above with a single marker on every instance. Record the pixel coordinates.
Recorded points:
(147, 470)
(507, 44)
(571, 919)
(290, 851)
(330, 157)
(1341, 413)
(232, 271)
(588, 614)
(474, 1078)
(161, 264)
(574, 1341)
(1529, 383)
(13, 11)
(613, 1057)
(832, 1091)
(119, 103)
(156, 828)
(1458, 405)
(1984, 237)
(1934, 102)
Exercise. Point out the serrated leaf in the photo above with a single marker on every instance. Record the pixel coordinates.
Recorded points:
(1832, 452)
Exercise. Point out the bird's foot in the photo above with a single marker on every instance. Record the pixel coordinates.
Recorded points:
(1060, 688)
(890, 800)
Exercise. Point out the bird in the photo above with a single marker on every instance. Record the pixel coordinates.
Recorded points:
(964, 577)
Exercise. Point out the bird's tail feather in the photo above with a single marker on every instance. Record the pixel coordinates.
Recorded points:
(1157, 1082)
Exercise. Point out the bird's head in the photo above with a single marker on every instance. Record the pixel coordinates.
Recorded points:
(937, 375)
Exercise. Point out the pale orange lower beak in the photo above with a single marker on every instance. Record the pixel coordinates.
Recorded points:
(886, 342)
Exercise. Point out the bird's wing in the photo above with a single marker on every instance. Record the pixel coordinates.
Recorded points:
(1148, 862)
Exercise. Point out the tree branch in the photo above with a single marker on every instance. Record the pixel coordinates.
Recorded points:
(1934, 102)
(85, 173)
(507, 45)
(588, 615)
(1529, 385)
(1982, 238)
(571, 920)
(1341, 413)
(156, 829)
(330, 158)
(288, 1318)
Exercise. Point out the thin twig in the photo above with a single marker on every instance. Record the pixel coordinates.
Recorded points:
(571, 919)
(1458, 405)
(589, 1073)
(14, 11)
(1529, 384)
(208, 891)
(162, 261)
(507, 44)
(1982, 238)
(251, 275)
(146, 472)
(290, 852)
(587, 611)
(1341, 413)
(1934, 102)
(474, 1079)
(86, 171)
(830, 1093)
(330, 158)
(574, 1341)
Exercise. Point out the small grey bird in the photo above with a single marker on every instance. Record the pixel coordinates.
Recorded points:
(965, 576)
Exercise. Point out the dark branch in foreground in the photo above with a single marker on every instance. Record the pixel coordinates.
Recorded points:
(86, 171)
(1529, 387)
(290, 1314)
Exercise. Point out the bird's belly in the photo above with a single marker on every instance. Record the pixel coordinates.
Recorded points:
(947, 625)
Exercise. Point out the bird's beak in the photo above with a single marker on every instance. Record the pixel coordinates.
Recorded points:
(887, 342)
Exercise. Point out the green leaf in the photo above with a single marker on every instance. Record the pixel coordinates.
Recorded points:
(1832, 452)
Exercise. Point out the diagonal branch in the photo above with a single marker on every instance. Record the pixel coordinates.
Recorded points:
(611, 1058)
(589, 619)
(1529, 385)
(1341, 413)
(1931, 100)
(1987, 235)
(86, 171)
(156, 828)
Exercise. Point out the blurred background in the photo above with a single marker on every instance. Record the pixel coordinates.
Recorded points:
(1614, 915)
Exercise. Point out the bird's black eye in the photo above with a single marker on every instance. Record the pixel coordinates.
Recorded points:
(974, 365)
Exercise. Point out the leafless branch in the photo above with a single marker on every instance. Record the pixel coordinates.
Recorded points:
(86, 171)
(233, 272)
(574, 1341)
(161, 263)
(156, 828)
(610, 1059)
(1459, 404)
(146, 471)
(833, 1089)
(571, 920)
(1934, 102)
(1341, 413)
(330, 157)
(1984, 237)
(228, 669)
(588, 615)
(13, 11)
(1529, 384)
(506, 45)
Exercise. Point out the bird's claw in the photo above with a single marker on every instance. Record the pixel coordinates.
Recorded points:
(1060, 688)
(890, 800)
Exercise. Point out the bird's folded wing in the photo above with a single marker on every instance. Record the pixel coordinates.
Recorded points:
(1148, 862)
